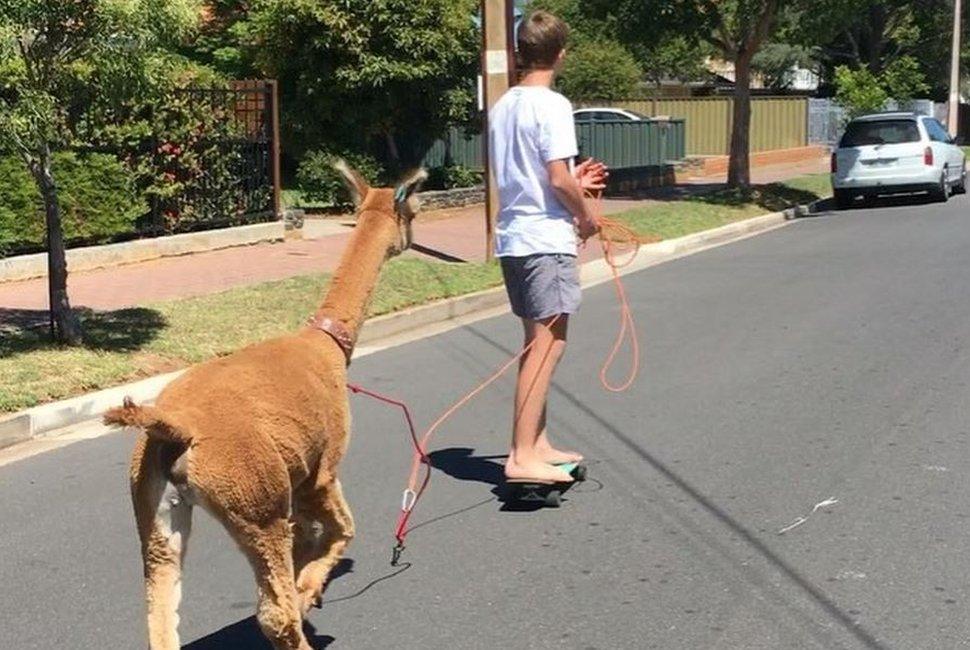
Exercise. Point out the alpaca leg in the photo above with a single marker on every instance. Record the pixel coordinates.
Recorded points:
(338, 529)
(164, 521)
(270, 552)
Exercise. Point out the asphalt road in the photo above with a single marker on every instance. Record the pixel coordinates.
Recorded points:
(824, 361)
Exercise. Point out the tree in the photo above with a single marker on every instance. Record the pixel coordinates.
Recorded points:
(65, 64)
(584, 77)
(776, 60)
(876, 34)
(735, 28)
(673, 57)
(860, 91)
(355, 73)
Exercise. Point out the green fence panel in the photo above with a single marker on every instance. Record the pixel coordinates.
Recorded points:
(457, 148)
(623, 144)
(618, 144)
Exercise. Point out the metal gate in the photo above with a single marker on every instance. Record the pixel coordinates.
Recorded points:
(225, 172)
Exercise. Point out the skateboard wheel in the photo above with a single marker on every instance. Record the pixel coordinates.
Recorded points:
(553, 499)
(580, 473)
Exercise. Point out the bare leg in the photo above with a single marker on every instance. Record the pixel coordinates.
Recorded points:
(532, 388)
(549, 453)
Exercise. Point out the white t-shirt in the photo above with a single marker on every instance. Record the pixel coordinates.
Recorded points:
(529, 127)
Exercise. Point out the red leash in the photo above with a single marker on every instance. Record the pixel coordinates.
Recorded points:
(415, 490)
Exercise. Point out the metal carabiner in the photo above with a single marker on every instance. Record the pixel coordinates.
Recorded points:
(408, 499)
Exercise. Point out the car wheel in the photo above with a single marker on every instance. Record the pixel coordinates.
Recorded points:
(844, 199)
(942, 193)
(961, 187)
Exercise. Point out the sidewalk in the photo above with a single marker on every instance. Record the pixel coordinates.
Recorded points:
(453, 235)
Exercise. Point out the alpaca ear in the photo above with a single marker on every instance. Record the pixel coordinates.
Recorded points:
(405, 190)
(356, 185)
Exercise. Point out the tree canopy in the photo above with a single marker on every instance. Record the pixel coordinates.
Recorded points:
(356, 72)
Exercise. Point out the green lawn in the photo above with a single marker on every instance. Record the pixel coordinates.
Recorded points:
(673, 219)
(133, 343)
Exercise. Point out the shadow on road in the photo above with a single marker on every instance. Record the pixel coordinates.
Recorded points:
(735, 527)
(246, 635)
(459, 463)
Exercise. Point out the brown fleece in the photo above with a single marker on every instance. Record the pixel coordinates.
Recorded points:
(256, 438)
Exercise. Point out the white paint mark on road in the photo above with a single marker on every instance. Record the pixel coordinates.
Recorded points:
(795, 524)
(935, 468)
(831, 501)
(850, 575)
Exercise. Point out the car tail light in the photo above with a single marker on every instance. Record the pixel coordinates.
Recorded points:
(835, 163)
(928, 156)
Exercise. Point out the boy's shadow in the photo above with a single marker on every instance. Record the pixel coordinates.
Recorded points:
(459, 463)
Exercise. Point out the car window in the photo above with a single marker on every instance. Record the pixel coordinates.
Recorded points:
(860, 134)
(937, 131)
(585, 116)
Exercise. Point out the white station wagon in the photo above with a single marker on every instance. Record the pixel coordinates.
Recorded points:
(897, 153)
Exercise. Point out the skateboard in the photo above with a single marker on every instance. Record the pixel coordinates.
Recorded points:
(545, 494)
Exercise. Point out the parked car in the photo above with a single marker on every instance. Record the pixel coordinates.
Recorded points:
(608, 115)
(897, 153)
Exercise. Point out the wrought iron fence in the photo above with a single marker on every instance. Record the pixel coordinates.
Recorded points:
(220, 166)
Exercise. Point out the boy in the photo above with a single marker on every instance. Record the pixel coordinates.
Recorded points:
(532, 143)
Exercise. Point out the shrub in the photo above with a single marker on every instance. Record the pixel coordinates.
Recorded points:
(321, 183)
(98, 200)
(453, 176)
(600, 69)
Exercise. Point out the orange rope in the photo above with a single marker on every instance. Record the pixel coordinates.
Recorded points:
(614, 238)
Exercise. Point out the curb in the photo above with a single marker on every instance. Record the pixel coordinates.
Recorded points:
(26, 267)
(42, 421)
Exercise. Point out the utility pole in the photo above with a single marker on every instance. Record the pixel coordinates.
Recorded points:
(954, 120)
(498, 74)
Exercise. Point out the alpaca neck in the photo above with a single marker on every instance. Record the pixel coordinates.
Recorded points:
(360, 267)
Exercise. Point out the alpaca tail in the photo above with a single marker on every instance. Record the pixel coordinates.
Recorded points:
(154, 422)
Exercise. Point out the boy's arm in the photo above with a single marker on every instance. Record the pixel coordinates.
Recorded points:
(569, 193)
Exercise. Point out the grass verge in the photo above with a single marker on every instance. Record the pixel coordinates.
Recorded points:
(672, 219)
(129, 344)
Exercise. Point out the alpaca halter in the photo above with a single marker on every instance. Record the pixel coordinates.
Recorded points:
(337, 331)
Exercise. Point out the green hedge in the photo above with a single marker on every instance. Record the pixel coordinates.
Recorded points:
(323, 184)
(97, 194)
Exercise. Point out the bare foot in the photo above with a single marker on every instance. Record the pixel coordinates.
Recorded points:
(553, 456)
(534, 468)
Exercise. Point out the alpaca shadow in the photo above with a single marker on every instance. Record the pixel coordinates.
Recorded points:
(246, 635)
(459, 463)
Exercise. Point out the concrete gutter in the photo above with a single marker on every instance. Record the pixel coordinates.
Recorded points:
(381, 332)
(25, 267)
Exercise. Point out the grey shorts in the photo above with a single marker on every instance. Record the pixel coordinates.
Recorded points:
(542, 286)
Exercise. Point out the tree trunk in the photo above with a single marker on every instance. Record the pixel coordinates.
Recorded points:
(392, 149)
(65, 327)
(739, 165)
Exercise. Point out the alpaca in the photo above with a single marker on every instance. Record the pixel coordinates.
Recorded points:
(255, 438)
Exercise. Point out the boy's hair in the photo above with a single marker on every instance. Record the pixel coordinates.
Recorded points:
(542, 37)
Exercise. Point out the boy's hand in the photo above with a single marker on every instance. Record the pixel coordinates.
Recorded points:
(591, 175)
(587, 227)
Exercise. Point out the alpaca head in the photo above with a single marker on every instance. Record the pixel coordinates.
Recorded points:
(385, 207)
